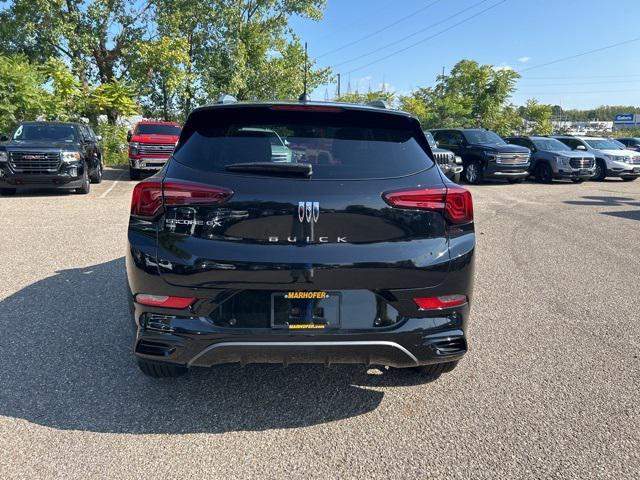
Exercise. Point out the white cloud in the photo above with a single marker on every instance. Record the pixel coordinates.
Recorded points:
(524, 59)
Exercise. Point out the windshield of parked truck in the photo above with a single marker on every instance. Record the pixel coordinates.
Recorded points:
(157, 129)
(603, 144)
(45, 132)
(550, 145)
(483, 137)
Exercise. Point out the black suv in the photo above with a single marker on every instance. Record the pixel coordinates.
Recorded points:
(485, 154)
(356, 249)
(50, 154)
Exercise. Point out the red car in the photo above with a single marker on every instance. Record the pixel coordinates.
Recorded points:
(151, 143)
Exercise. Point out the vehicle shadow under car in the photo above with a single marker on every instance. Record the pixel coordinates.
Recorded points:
(68, 364)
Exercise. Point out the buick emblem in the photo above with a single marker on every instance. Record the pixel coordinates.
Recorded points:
(308, 211)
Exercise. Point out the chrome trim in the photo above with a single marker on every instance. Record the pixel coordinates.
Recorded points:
(304, 344)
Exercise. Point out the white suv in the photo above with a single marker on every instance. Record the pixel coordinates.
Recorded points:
(611, 159)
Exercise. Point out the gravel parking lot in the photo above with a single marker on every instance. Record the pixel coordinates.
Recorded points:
(549, 389)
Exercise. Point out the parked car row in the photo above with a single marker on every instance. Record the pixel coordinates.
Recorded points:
(486, 155)
(68, 155)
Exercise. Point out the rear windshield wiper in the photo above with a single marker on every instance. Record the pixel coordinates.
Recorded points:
(304, 169)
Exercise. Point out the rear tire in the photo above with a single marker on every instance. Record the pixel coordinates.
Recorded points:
(629, 179)
(7, 191)
(433, 371)
(160, 370)
(134, 174)
(473, 173)
(601, 171)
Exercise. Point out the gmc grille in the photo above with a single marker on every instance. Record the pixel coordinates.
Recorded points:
(443, 158)
(581, 162)
(512, 158)
(35, 162)
(156, 148)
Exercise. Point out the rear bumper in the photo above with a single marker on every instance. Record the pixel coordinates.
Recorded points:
(410, 346)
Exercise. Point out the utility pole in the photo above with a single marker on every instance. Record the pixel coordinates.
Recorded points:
(338, 95)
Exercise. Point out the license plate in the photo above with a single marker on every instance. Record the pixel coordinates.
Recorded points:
(584, 172)
(311, 310)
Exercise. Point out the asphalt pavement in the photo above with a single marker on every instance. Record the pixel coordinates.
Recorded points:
(549, 389)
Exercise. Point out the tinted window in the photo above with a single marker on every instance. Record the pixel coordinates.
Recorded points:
(518, 141)
(45, 132)
(340, 145)
(550, 145)
(483, 137)
(158, 129)
(570, 142)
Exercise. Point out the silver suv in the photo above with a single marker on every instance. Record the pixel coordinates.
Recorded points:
(552, 159)
(611, 159)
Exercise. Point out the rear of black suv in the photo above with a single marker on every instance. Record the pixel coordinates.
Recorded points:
(356, 249)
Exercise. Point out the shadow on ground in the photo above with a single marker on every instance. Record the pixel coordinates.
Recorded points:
(597, 201)
(68, 364)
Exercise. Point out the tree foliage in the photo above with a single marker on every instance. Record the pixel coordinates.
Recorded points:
(471, 95)
(114, 57)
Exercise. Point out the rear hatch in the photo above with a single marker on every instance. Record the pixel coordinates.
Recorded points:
(326, 219)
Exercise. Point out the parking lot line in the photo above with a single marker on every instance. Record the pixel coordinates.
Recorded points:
(115, 182)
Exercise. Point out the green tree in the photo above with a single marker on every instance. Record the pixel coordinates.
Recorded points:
(471, 95)
(537, 117)
(389, 97)
(92, 36)
(22, 95)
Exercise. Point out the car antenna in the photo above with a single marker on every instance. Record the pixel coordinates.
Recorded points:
(305, 97)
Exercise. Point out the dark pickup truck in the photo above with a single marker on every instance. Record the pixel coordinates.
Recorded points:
(485, 154)
(50, 155)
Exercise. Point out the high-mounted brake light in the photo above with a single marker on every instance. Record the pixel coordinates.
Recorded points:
(149, 196)
(164, 301)
(307, 108)
(453, 201)
(440, 303)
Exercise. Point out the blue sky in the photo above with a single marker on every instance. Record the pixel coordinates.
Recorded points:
(520, 34)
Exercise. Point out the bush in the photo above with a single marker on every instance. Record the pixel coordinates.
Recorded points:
(114, 144)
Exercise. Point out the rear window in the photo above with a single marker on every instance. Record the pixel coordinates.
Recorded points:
(157, 129)
(340, 144)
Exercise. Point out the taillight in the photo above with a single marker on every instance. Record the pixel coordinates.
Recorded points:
(146, 199)
(453, 202)
(149, 196)
(164, 301)
(440, 303)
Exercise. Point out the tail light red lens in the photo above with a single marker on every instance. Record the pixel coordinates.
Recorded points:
(149, 196)
(440, 303)
(146, 199)
(453, 202)
(164, 301)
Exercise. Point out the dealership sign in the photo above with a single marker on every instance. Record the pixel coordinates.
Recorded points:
(626, 118)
